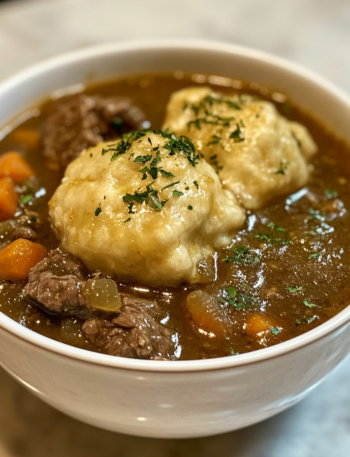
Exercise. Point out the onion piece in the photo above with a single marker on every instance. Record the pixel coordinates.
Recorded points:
(103, 294)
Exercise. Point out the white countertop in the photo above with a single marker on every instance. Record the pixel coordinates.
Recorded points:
(314, 33)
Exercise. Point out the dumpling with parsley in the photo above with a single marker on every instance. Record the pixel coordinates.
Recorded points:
(257, 153)
(146, 208)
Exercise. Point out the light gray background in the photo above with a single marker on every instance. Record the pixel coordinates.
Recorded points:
(314, 33)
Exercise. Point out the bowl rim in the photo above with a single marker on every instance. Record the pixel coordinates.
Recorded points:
(181, 366)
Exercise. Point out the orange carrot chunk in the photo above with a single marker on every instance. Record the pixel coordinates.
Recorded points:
(18, 258)
(27, 137)
(13, 166)
(8, 199)
(257, 323)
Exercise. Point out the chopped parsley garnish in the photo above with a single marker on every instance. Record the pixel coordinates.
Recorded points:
(309, 305)
(331, 193)
(267, 238)
(283, 167)
(214, 140)
(149, 197)
(143, 159)
(33, 219)
(275, 330)
(233, 352)
(317, 215)
(195, 183)
(273, 226)
(215, 164)
(124, 144)
(167, 174)
(150, 141)
(314, 255)
(178, 193)
(294, 289)
(213, 120)
(209, 99)
(305, 320)
(271, 238)
(91, 154)
(237, 300)
(237, 134)
(128, 219)
(190, 207)
(182, 145)
(171, 185)
(242, 254)
(98, 211)
(26, 199)
(264, 237)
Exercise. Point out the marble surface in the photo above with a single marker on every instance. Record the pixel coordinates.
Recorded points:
(314, 33)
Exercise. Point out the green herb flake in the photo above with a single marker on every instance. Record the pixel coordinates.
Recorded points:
(171, 185)
(150, 141)
(128, 219)
(309, 305)
(143, 159)
(190, 207)
(236, 299)
(33, 219)
(98, 211)
(26, 199)
(273, 226)
(305, 320)
(283, 167)
(317, 215)
(214, 140)
(196, 184)
(275, 330)
(215, 164)
(178, 193)
(166, 174)
(263, 237)
(331, 193)
(242, 254)
(294, 289)
(149, 197)
(91, 154)
(314, 255)
(237, 134)
(233, 352)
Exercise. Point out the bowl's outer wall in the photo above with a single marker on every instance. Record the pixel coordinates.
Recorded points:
(172, 404)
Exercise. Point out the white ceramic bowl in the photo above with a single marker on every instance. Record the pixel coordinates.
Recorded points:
(185, 398)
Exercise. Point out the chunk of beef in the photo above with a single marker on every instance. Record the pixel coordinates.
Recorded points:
(57, 284)
(133, 333)
(82, 121)
(24, 232)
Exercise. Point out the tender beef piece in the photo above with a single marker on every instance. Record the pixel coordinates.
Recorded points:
(57, 284)
(82, 121)
(133, 333)
(24, 232)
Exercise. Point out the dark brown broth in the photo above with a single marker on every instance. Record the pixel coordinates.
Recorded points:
(324, 280)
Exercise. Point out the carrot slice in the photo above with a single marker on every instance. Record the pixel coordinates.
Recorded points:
(13, 166)
(257, 323)
(207, 314)
(8, 199)
(18, 258)
(27, 137)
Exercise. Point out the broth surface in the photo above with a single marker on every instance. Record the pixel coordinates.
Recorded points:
(300, 265)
